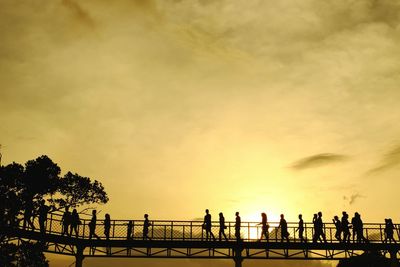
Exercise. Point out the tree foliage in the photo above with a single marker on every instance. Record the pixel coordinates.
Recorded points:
(39, 179)
(77, 190)
(27, 254)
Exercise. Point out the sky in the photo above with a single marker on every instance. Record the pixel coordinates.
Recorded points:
(253, 106)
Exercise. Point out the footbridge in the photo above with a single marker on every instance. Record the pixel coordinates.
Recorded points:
(187, 239)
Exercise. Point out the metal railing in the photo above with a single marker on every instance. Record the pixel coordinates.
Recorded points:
(193, 230)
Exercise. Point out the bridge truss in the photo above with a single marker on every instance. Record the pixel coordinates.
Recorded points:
(186, 239)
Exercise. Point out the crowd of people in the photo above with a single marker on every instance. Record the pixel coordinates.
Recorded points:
(345, 231)
(342, 227)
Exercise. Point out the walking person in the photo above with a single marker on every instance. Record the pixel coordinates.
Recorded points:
(75, 221)
(237, 226)
(320, 226)
(300, 228)
(28, 212)
(66, 221)
(284, 228)
(338, 227)
(354, 226)
(107, 226)
(207, 226)
(359, 228)
(264, 227)
(129, 230)
(389, 231)
(316, 235)
(319, 229)
(92, 226)
(222, 227)
(345, 227)
(43, 211)
(146, 225)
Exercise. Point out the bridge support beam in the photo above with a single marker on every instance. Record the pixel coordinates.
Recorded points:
(79, 257)
(237, 258)
(238, 262)
(393, 258)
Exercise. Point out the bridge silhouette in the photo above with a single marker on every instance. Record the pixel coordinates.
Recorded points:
(187, 239)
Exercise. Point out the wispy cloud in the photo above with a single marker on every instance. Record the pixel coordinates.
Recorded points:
(390, 160)
(317, 161)
(352, 198)
(79, 13)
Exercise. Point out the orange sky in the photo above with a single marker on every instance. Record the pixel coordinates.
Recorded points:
(276, 106)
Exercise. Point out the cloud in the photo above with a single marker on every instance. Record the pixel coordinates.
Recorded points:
(390, 160)
(317, 161)
(352, 198)
(79, 13)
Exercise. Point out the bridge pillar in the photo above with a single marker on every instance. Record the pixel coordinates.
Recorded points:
(79, 257)
(237, 258)
(393, 258)
(238, 261)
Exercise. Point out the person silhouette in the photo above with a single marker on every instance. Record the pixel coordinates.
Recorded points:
(207, 226)
(321, 226)
(354, 227)
(316, 235)
(319, 229)
(28, 212)
(107, 226)
(338, 227)
(358, 228)
(222, 227)
(345, 227)
(129, 230)
(237, 226)
(284, 228)
(92, 226)
(66, 221)
(301, 229)
(75, 221)
(146, 225)
(389, 230)
(264, 227)
(43, 211)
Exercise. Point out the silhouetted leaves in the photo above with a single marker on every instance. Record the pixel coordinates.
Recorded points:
(28, 254)
(41, 176)
(78, 190)
(39, 180)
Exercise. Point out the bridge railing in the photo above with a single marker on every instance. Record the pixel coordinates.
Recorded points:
(193, 230)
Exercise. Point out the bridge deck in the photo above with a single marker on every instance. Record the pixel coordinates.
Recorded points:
(186, 239)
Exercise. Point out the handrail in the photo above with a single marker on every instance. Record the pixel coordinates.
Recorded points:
(193, 231)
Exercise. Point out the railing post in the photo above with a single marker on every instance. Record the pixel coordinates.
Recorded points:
(191, 230)
(248, 231)
(172, 229)
(152, 230)
(51, 222)
(113, 232)
(229, 229)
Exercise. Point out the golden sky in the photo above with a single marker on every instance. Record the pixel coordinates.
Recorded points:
(180, 105)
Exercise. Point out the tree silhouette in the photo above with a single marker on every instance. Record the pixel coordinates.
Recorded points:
(77, 190)
(39, 180)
